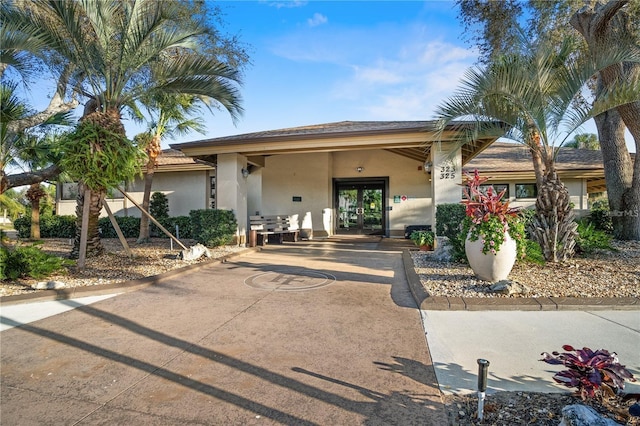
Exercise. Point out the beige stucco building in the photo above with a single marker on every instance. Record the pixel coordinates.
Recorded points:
(346, 177)
(350, 177)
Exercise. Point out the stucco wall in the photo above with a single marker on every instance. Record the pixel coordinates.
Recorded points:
(185, 191)
(297, 175)
(310, 176)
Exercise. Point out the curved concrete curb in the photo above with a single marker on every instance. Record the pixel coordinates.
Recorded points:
(444, 303)
(122, 287)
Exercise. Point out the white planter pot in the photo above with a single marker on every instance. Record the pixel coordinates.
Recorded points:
(491, 267)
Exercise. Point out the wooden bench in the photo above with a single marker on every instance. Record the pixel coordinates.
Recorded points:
(275, 228)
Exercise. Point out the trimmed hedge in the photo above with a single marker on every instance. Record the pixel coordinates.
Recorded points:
(213, 227)
(130, 227)
(449, 223)
(51, 226)
(183, 222)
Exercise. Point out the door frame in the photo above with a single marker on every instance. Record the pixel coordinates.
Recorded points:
(382, 181)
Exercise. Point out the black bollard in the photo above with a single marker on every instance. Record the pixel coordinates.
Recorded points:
(483, 367)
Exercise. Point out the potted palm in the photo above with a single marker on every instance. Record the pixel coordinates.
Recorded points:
(423, 239)
(494, 231)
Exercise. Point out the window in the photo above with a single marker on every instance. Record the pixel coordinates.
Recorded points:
(526, 190)
(212, 195)
(69, 191)
(497, 187)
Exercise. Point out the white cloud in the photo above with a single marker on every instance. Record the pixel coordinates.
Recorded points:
(408, 86)
(318, 19)
(287, 4)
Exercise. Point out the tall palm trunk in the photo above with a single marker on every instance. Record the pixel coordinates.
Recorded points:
(554, 227)
(109, 120)
(153, 152)
(94, 245)
(34, 194)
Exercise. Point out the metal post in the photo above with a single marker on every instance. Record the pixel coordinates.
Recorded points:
(483, 367)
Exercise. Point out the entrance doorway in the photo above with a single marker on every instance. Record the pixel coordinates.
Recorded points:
(360, 206)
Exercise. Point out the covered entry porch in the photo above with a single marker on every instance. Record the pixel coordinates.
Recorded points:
(339, 178)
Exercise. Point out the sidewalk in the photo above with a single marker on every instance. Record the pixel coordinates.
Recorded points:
(304, 333)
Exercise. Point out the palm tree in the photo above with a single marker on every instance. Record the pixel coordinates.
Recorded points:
(170, 117)
(120, 51)
(11, 109)
(534, 97)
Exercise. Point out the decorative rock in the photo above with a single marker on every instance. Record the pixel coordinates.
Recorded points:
(49, 285)
(509, 287)
(581, 415)
(442, 251)
(195, 252)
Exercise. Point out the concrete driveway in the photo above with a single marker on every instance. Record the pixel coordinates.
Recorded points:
(302, 333)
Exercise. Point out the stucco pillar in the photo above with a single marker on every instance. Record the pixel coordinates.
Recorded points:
(446, 176)
(231, 190)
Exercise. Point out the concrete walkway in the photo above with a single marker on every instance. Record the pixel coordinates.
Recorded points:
(304, 333)
(513, 343)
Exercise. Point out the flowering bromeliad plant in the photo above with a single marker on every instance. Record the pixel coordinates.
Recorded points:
(589, 371)
(489, 218)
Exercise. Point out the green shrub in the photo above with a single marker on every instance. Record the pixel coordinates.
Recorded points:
(183, 222)
(450, 223)
(23, 226)
(130, 227)
(533, 252)
(590, 239)
(159, 206)
(213, 227)
(449, 218)
(51, 226)
(527, 216)
(28, 261)
(600, 216)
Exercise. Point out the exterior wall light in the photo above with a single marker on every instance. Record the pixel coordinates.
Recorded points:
(428, 165)
(245, 173)
(359, 169)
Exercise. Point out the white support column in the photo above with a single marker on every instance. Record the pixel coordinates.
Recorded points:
(446, 176)
(231, 189)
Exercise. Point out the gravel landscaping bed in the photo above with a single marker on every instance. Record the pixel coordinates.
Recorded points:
(114, 266)
(603, 274)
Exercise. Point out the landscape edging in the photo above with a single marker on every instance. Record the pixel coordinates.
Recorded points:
(427, 302)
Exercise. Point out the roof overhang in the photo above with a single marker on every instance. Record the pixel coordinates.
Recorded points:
(413, 140)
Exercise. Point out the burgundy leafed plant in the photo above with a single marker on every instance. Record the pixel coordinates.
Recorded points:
(481, 206)
(489, 217)
(590, 372)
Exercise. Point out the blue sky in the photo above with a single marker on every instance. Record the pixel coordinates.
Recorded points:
(317, 62)
(324, 61)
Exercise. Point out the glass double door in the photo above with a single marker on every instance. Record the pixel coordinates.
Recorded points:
(360, 208)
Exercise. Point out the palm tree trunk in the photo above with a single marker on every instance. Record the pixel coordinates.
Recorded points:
(35, 220)
(153, 152)
(554, 227)
(144, 236)
(34, 194)
(94, 245)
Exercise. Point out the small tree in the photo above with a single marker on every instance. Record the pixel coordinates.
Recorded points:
(159, 206)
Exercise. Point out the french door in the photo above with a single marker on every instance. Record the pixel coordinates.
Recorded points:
(360, 206)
